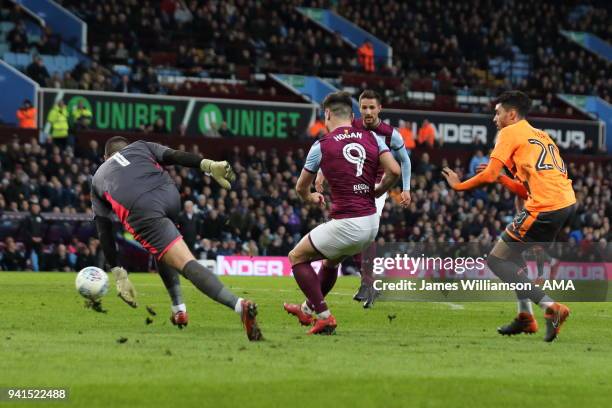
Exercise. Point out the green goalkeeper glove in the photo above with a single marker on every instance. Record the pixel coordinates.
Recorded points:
(125, 289)
(221, 171)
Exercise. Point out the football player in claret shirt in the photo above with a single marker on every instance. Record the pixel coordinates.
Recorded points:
(370, 108)
(133, 185)
(349, 159)
(540, 176)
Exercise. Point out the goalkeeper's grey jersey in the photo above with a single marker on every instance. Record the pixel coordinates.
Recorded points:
(123, 178)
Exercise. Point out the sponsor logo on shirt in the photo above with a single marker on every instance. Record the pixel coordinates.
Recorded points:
(361, 188)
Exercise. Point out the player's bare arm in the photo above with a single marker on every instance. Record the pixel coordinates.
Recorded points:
(392, 174)
(320, 182)
(302, 188)
(406, 167)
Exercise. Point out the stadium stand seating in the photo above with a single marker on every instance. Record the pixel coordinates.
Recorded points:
(505, 45)
(244, 41)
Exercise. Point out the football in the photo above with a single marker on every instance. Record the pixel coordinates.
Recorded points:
(92, 282)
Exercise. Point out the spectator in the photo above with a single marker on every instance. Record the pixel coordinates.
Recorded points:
(189, 224)
(205, 250)
(405, 129)
(182, 15)
(92, 152)
(18, 38)
(212, 227)
(44, 46)
(225, 131)
(58, 119)
(427, 134)
(121, 53)
(12, 259)
(54, 41)
(478, 159)
(317, 129)
(125, 86)
(37, 71)
(81, 116)
(150, 81)
(85, 258)
(365, 55)
(69, 82)
(26, 115)
(213, 131)
(59, 260)
(32, 228)
(55, 81)
(160, 126)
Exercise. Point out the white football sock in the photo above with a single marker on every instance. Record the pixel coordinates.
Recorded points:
(238, 306)
(324, 315)
(546, 302)
(179, 308)
(524, 306)
(306, 309)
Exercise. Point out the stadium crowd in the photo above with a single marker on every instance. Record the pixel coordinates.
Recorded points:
(446, 49)
(450, 44)
(262, 214)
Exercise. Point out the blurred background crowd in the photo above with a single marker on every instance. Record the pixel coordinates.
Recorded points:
(227, 49)
(262, 214)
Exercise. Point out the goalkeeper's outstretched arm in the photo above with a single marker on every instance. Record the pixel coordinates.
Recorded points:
(221, 171)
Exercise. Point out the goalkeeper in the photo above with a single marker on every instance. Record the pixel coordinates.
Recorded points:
(133, 185)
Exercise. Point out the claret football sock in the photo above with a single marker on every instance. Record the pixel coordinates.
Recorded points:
(308, 281)
(327, 279)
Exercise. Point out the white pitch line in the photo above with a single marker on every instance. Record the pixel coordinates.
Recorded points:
(453, 306)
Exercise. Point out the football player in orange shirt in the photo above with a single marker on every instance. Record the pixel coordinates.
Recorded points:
(541, 175)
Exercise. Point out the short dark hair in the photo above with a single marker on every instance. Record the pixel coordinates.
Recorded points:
(370, 94)
(340, 103)
(114, 144)
(515, 100)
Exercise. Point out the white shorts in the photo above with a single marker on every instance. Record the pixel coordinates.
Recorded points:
(380, 203)
(338, 239)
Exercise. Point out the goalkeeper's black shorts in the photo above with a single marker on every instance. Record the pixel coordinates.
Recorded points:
(152, 219)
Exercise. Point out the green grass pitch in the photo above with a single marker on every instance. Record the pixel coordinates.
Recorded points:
(430, 355)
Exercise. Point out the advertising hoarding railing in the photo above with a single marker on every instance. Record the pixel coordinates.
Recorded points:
(200, 116)
(114, 111)
(465, 129)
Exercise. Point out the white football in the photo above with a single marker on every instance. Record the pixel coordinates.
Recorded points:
(92, 282)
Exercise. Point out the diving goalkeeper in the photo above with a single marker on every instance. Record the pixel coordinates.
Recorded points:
(132, 184)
